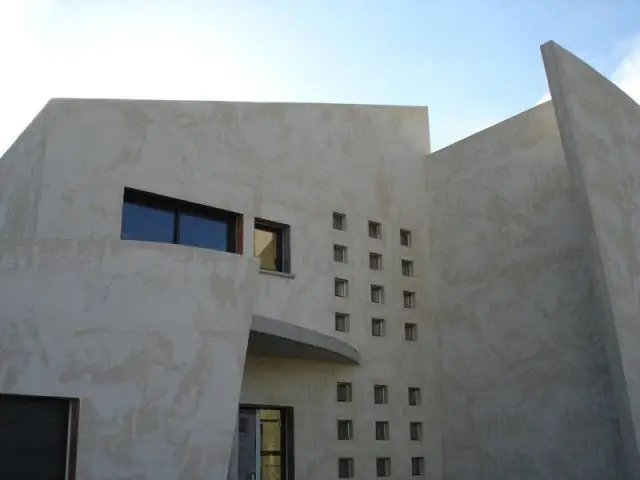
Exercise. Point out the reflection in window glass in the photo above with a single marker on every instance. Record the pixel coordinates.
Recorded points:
(265, 244)
(202, 232)
(146, 224)
(270, 445)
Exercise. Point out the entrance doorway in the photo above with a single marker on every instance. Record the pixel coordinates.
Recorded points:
(265, 440)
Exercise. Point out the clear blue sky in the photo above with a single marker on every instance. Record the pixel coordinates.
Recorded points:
(472, 62)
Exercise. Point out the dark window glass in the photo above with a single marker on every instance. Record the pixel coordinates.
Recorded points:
(149, 224)
(197, 231)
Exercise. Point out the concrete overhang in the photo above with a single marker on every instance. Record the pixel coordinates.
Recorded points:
(281, 339)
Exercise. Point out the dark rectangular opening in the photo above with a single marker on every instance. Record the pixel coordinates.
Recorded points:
(265, 442)
(38, 437)
(151, 217)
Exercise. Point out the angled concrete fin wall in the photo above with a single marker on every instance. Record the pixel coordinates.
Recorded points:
(151, 338)
(525, 384)
(600, 130)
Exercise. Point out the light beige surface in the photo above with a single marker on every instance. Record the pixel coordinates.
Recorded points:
(600, 128)
(525, 383)
(293, 164)
(150, 337)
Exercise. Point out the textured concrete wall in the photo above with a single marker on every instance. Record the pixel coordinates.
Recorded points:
(600, 129)
(525, 384)
(293, 164)
(151, 338)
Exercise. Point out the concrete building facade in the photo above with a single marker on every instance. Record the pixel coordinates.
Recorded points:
(276, 291)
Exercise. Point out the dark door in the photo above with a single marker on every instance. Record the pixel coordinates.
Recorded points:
(33, 437)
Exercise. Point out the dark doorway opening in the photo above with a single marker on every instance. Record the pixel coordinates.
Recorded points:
(38, 437)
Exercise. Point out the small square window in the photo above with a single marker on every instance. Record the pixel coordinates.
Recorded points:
(415, 431)
(410, 332)
(407, 268)
(340, 253)
(377, 294)
(417, 466)
(341, 287)
(405, 238)
(375, 230)
(380, 394)
(409, 299)
(382, 430)
(344, 392)
(345, 429)
(339, 221)
(378, 327)
(342, 322)
(375, 261)
(345, 468)
(383, 466)
(271, 245)
(414, 396)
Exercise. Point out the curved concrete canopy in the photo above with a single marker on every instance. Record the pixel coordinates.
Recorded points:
(276, 338)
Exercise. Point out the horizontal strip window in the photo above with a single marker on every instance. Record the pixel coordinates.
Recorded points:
(150, 217)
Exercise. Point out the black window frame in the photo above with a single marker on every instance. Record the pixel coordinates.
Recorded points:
(178, 208)
(283, 243)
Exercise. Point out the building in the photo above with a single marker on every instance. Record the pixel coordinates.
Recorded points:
(468, 313)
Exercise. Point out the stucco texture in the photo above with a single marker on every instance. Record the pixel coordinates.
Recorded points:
(151, 338)
(600, 129)
(525, 386)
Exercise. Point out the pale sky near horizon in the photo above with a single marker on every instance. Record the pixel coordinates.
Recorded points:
(472, 62)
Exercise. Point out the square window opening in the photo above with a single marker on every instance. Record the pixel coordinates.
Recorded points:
(380, 394)
(383, 466)
(377, 294)
(340, 254)
(378, 328)
(375, 261)
(410, 332)
(375, 230)
(409, 299)
(345, 468)
(345, 429)
(339, 221)
(382, 430)
(342, 322)
(405, 238)
(341, 287)
(407, 268)
(344, 392)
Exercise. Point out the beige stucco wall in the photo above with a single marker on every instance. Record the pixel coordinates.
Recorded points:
(600, 128)
(151, 338)
(293, 164)
(525, 383)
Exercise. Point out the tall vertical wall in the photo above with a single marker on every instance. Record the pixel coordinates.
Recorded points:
(600, 130)
(525, 384)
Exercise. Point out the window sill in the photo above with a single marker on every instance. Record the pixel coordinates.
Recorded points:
(275, 273)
